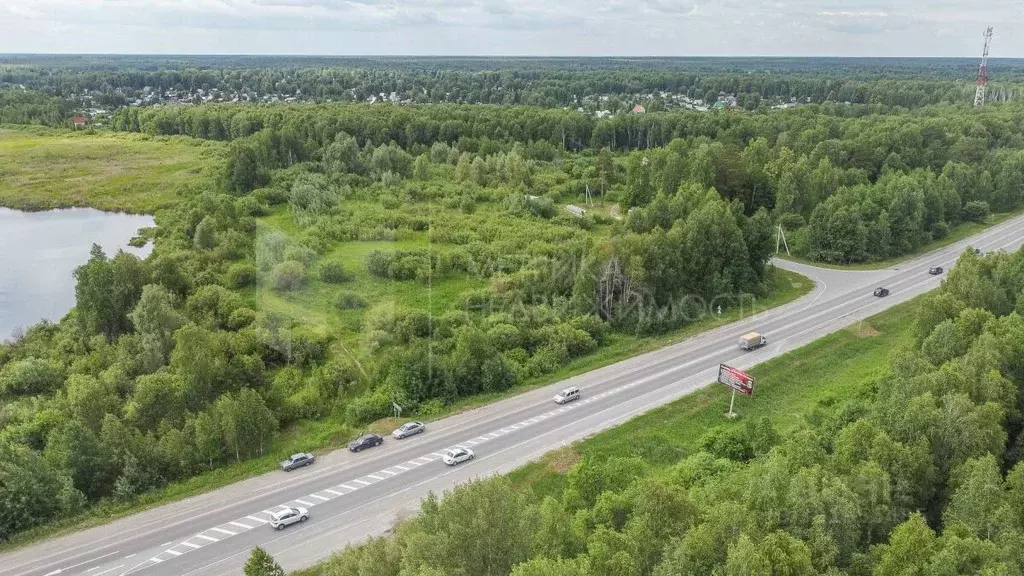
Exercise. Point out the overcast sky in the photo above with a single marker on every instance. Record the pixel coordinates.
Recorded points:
(514, 27)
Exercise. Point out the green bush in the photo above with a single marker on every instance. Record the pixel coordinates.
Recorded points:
(333, 272)
(348, 300)
(976, 211)
(288, 276)
(301, 254)
(242, 275)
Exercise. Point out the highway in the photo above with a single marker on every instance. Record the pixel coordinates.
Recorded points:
(355, 496)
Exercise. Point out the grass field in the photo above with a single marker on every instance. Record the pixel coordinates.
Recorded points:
(789, 387)
(46, 168)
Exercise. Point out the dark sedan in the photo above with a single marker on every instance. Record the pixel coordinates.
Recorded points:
(935, 270)
(881, 292)
(365, 441)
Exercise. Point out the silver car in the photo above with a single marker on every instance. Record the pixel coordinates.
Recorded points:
(408, 429)
(287, 517)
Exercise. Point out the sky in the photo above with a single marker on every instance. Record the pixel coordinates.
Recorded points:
(514, 27)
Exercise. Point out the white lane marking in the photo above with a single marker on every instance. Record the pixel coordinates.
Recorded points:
(471, 442)
(189, 544)
(173, 551)
(304, 503)
(129, 556)
(166, 544)
(438, 454)
(414, 463)
(268, 513)
(255, 519)
(347, 487)
(375, 477)
(357, 481)
(93, 568)
(319, 497)
(155, 559)
(205, 537)
(240, 525)
(228, 532)
(388, 472)
(110, 569)
(493, 435)
(329, 491)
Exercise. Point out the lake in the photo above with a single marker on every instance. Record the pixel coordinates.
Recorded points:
(40, 250)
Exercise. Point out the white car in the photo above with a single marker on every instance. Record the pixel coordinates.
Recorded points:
(567, 395)
(457, 456)
(287, 517)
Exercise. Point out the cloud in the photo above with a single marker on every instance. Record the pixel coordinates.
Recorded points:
(536, 27)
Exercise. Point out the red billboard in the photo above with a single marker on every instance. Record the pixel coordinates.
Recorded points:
(736, 379)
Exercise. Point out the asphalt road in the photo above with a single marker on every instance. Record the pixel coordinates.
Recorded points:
(354, 496)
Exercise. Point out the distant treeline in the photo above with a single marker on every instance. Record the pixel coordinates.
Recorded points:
(549, 82)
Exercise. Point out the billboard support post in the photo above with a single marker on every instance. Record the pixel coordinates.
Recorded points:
(732, 400)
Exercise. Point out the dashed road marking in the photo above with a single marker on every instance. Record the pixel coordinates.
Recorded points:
(389, 472)
(357, 481)
(189, 544)
(255, 519)
(155, 559)
(303, 502)
(347, 487)
(205, 537)
(319, 497)
(329, 491)
(173, 552)
(402, 468)
(377, 478)
(240, 525)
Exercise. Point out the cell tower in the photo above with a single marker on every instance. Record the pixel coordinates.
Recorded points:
(979, 93)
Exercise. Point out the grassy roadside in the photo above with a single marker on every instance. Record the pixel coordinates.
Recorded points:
(44, 168)
(331, 433)
(789, 387)
(955, 235)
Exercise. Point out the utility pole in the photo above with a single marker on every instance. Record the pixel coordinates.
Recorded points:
(979, 92)
(780, 236)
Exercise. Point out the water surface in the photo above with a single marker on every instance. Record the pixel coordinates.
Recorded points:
(40, 250)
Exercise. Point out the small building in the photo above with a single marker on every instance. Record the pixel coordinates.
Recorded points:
(639, 109)
(576, 210)
(79, 121)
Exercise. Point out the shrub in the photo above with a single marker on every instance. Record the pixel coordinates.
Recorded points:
(30, 376)
(348, 300)
(976, 211)
(301, 254)
(241, 318)
(333, 272)
(288, 276)
(243, 275)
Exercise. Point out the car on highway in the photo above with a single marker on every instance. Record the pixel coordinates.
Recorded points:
(297, 461)
(979, 252)
(408, 429)
(458, 456)
(287, 517)
(881, 292)
(935, 270)
(567, 395)
(365, 441)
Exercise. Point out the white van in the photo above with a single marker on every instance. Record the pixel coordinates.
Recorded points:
(567, 395)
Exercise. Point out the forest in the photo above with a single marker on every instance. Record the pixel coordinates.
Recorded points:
(921, 473)
(594, 83)
(349, 256)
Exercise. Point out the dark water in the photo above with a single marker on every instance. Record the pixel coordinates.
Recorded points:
(40, 250)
